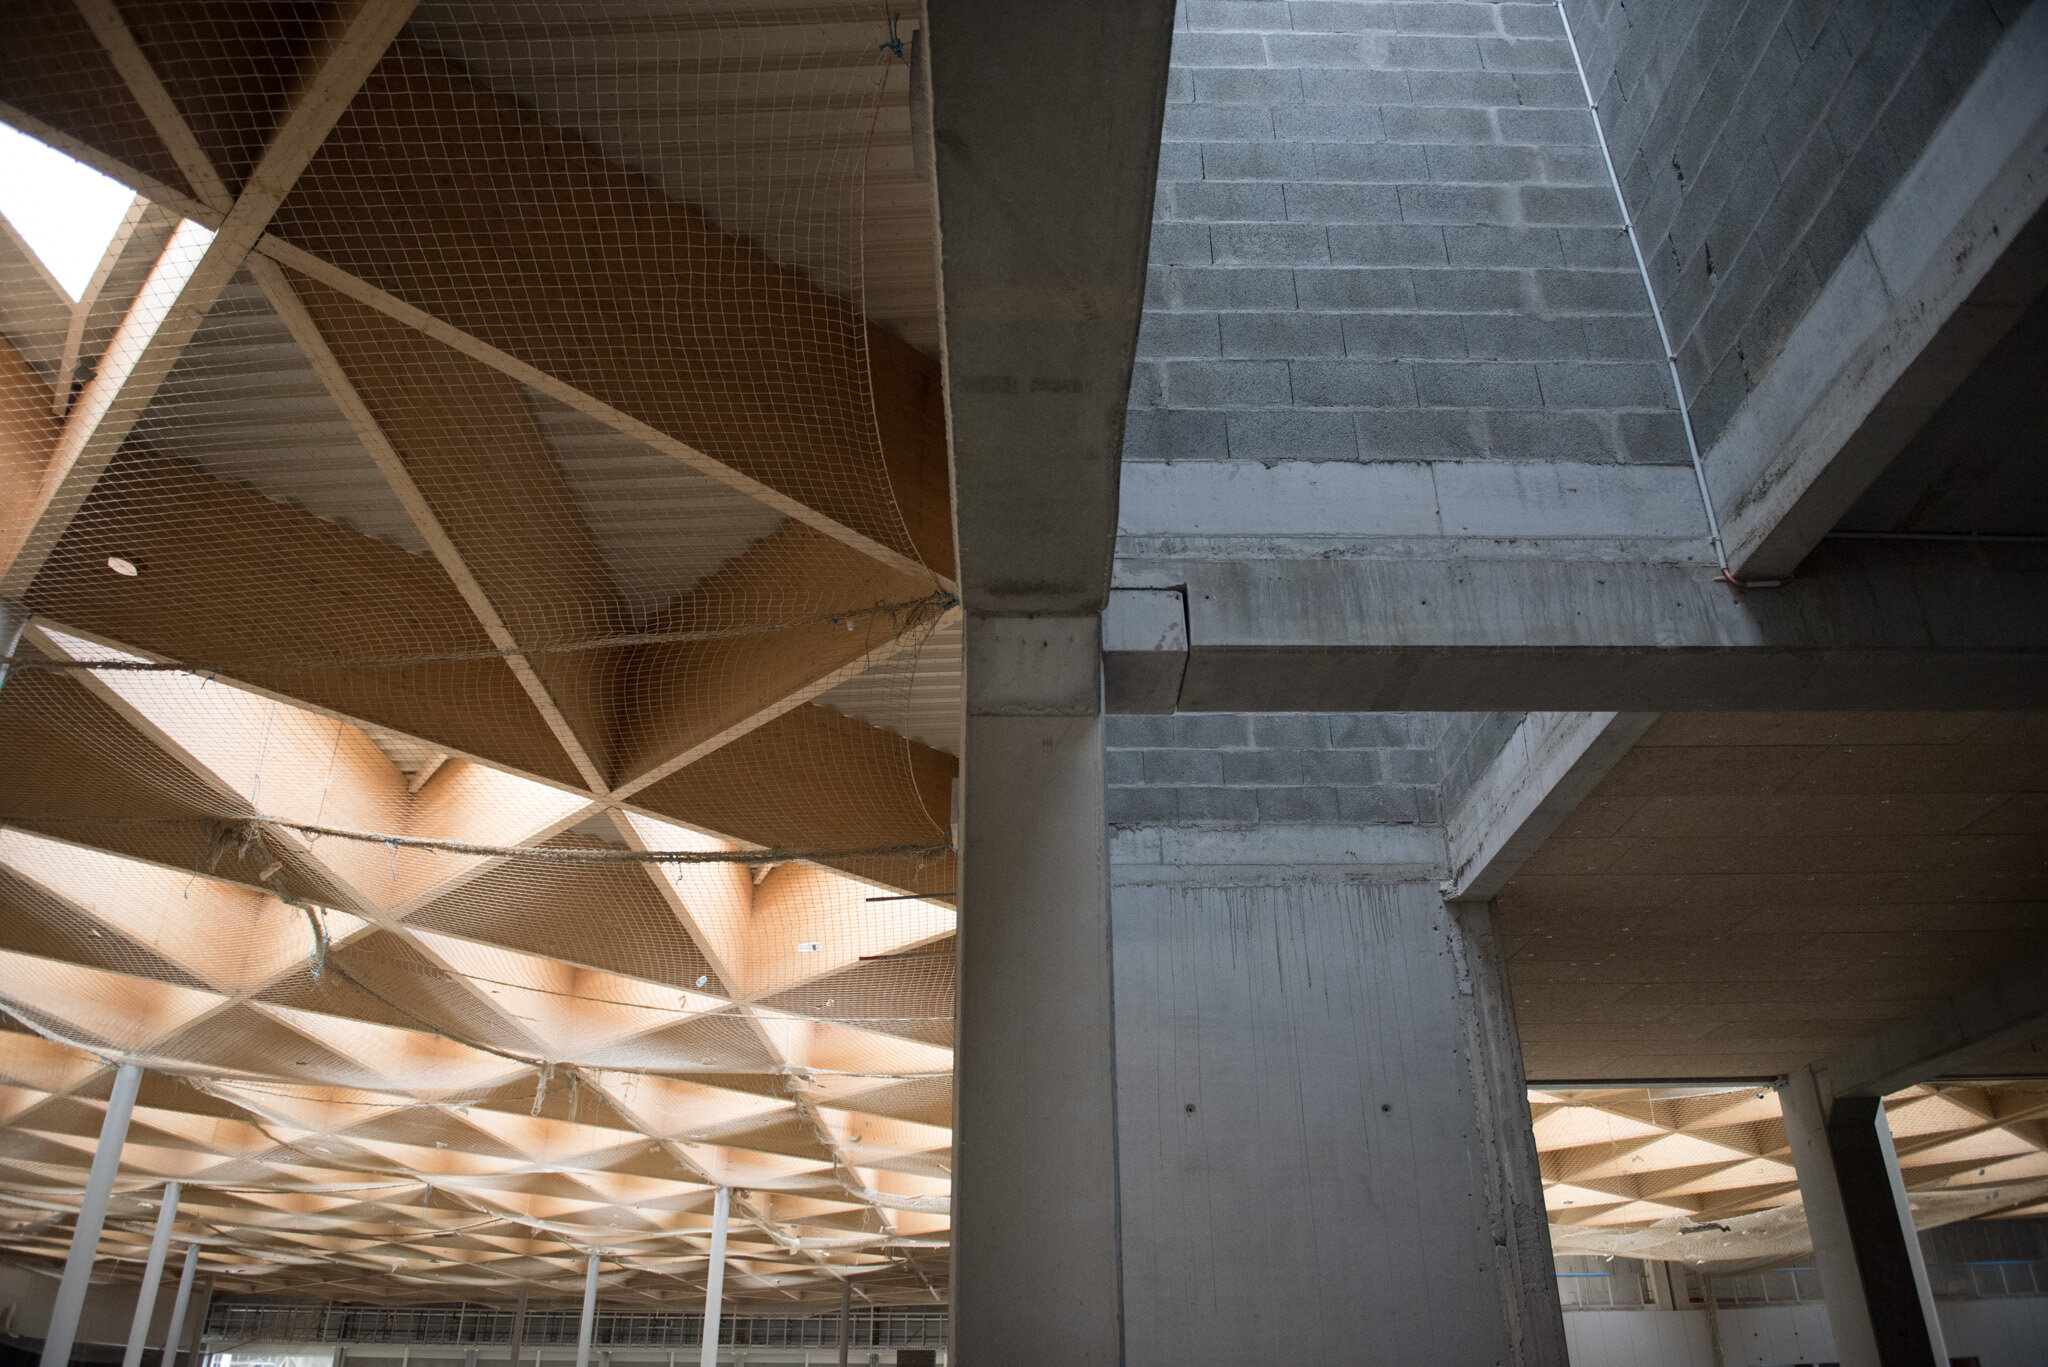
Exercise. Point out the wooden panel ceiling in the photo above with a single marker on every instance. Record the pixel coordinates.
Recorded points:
(1745, 892)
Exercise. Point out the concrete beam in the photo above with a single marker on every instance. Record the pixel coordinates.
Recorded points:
(1046, 120)
(1145, 633)
(1905, 318)
(1867, 625)
(1549, 765)
(1984, 1021)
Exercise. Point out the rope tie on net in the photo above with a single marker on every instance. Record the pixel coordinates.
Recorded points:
(571, 854)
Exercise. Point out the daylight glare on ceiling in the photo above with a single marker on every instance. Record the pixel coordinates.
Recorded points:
(64, 210)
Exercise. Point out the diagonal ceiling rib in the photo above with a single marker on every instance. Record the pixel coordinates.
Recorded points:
(404, 1071)
(195, 267)
(381, 220)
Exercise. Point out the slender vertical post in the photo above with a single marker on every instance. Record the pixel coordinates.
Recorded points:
(714, 1279)
(152, 1277)
(1713, 1319)
(195, 1329)
(184, 1298)
(13, 616)
(845, 1319)
(589, 1323)
(92, 1214)
(518, 1331)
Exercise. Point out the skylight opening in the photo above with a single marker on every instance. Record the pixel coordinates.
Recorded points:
(64, 210)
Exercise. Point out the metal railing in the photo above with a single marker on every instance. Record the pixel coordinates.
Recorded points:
(478, 1325)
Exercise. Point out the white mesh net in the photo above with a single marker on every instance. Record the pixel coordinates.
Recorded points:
(1705, 1175)
(483, 722)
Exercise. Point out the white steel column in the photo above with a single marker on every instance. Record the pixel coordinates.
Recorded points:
(195, 1328)
(588, 1326)
(177, 1324)
(518, 1344)
(92, 1214)
(152, 1277)
(714, 1279)
(13, 616)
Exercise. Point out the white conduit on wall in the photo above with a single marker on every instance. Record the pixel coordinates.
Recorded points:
(1628, 226)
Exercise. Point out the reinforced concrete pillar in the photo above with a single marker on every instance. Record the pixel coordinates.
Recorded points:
(92, 1215)
(1879, 1300)
(1321, 1111)
(714, 1277)
(152, 1278)
(178, 1307)
(587, 1326)
(845, 1318)
(1034, 1189)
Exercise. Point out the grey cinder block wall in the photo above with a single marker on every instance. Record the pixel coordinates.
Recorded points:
(1365, 768)
(1384, 231)
(1755, 139)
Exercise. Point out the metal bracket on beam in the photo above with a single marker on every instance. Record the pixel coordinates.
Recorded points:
(1144, 650)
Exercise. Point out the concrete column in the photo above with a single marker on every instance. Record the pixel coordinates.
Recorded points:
(13, 617)
(1880, 1302)
(1523, 1262)
(152, 1277)
(518, 1336)
(845, 1319)
(1320, 1107)
(1035, 1202)
(587, 1326)
(92, 1214)
(178, 1306)
(714, 1277)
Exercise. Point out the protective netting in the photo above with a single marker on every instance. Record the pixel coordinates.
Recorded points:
(1705, 1175)
(484, 715)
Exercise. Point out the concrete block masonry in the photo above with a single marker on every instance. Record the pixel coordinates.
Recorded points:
(1754, 143)
(1446, 151)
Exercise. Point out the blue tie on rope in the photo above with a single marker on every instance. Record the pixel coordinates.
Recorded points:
(895, 44)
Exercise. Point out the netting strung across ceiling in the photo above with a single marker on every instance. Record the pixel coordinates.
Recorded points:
(484, 718)
(1704, 1175)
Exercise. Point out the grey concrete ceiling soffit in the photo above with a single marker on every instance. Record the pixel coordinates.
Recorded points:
(1046, 120)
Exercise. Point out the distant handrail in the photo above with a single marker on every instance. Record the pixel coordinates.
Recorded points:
(477, 1325)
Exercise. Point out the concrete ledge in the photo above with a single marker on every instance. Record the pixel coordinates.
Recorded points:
(1270, 854)
(1987, 1020)
(1549, 765)
(1375, 499)
(1869, 626)
(1901, 323)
